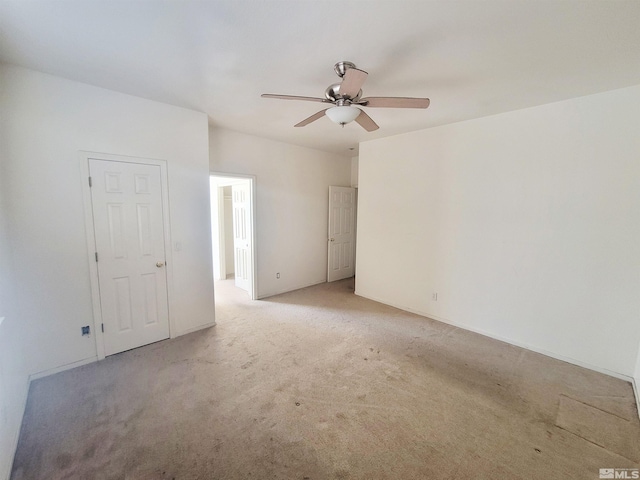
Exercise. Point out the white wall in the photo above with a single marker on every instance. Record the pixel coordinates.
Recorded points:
(51, 120)
(354, 172)
(292, 191)
(13, 372)
(526, 224)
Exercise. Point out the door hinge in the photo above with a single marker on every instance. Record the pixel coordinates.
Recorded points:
(102, 324)
(90, 183)
(96, 256)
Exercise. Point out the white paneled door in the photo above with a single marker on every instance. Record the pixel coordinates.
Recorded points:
(127, 205)
(342, 214)
(241, 201)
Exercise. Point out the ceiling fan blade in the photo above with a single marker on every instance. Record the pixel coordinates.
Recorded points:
(312, 118)
(352, 82)
(395, 102)
(366, 122)
(295, 97)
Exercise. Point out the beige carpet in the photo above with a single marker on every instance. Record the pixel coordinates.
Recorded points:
(322, 384)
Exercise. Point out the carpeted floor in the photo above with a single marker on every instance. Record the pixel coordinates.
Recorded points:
(322, 384)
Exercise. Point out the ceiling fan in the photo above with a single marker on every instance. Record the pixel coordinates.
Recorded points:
(346, 95)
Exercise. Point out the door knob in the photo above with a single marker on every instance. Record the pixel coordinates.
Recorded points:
(159, 264)
(332, 239)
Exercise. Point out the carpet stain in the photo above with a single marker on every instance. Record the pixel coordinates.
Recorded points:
(89, 452)
(341, 474)
(64, 461)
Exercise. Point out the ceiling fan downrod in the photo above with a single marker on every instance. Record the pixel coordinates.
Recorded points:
(341, 68)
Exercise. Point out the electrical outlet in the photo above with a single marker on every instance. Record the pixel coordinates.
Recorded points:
(278, 275)
(86, 330)
(434, 296)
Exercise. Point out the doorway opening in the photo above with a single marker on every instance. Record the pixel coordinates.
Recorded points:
(232, 235)
(342, 233)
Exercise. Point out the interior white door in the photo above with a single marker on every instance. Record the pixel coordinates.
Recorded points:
(342, 211)
(241, 200)
(129, 231)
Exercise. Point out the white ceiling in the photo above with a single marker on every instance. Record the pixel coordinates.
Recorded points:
(471, 58)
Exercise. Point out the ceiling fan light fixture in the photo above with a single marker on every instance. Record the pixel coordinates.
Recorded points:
(342, 114)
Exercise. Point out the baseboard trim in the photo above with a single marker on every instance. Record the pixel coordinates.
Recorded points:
(61, 368)
(195, 329)
(86, 361)
(516, 343)
(636, 389)
(280, 292)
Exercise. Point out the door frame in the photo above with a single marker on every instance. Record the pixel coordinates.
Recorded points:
(84, 158)
(253, 294)
(222, 241)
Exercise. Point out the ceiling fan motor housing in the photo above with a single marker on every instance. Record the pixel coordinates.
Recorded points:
(332, 93)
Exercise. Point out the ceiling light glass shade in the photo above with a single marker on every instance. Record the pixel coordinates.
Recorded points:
(342, 115)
